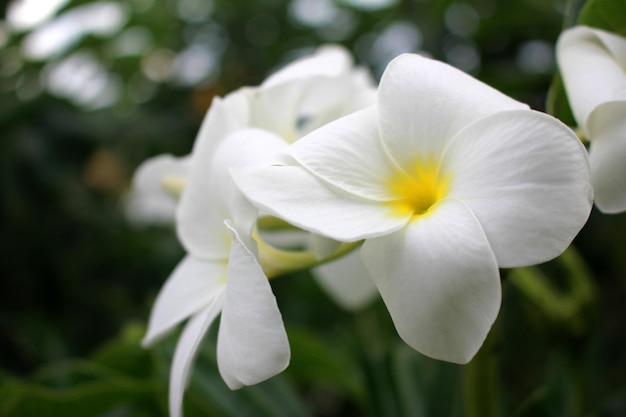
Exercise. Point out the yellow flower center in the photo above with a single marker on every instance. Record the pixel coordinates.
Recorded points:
(174, 184)
(419, 190)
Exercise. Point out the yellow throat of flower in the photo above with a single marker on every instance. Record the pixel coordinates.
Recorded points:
(174, 184)
(419, 190)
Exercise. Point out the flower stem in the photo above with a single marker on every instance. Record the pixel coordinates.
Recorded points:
(480, 380)
(581, 136)
(565, 307)
(572, 10)
(277, 262)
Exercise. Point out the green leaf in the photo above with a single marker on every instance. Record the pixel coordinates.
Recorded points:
(317, 360)
(558, 396)
(557, 103)
(125, 353)
(609, 15)
(78, 388)
(117, 380)
(207, 395)
(409, 386)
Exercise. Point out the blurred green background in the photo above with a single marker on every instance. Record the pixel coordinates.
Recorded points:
(89, 89)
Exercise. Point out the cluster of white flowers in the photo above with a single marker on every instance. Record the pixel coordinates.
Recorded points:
(227, 263)
(593, 67)
(418, 189)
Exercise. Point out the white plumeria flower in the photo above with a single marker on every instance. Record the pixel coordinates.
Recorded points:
(592, 64)
(447, 180)
(305, 94)
(221, 274)
(215, 222)
(155, 189)
(298, 98)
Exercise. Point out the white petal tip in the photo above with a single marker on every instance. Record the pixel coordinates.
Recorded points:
(147, 342)
(459, 358)
(279, 364)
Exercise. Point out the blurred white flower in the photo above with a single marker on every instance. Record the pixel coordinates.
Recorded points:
(221, 274)
(447, 180)
(593, 65)
(215, 222)
(156, 188)
(298, 98)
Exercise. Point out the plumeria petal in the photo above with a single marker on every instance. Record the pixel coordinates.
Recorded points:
(347, 281)
(439, 280)
(242, 148)
(212, 198)
(301, 199)
(607, 154)
(192, 286)
(616, 44)
(150, 199)
(329, 153)
(541, 195)
(252, 343)
(423, 103)
(276, 109)
(185, 353)
(330, 98)
(592, 65)
(199, 226)
(308, 93)
(328, 61)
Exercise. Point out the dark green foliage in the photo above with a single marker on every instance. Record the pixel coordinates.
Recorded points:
(78, 280)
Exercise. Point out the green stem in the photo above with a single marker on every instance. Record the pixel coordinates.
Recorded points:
(572, 10)
(563, 307)
(581, 136)
(481, 385)
(269, 223)
(277, 262)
